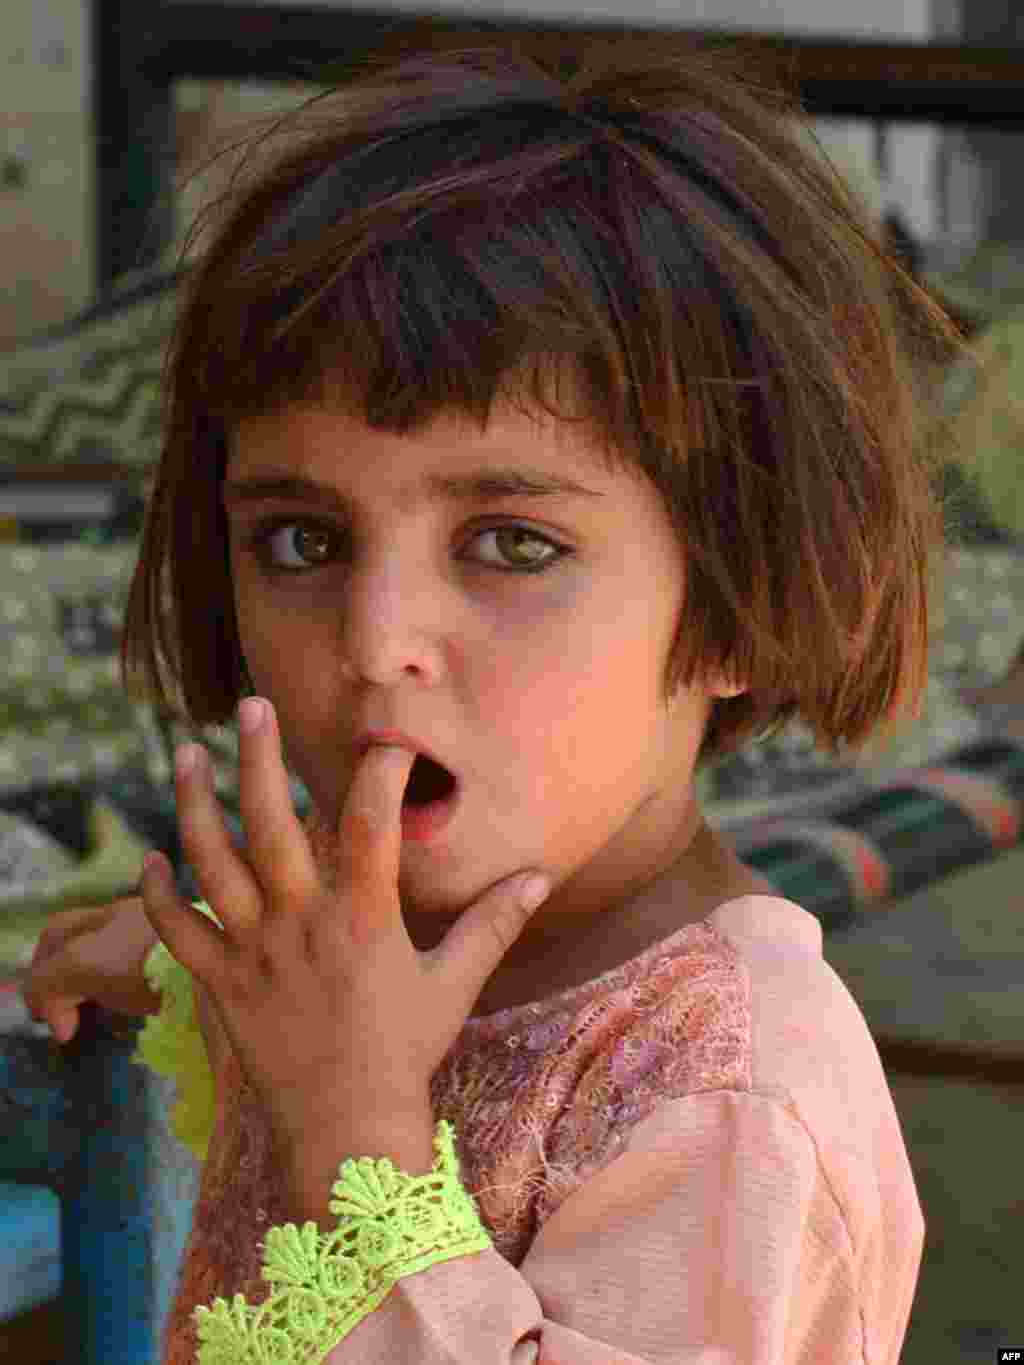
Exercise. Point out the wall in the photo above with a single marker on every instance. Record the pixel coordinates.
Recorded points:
(46, 177)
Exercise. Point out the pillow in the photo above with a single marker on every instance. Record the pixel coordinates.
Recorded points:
(88, 392)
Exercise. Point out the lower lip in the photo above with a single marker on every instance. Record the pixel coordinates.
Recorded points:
(424, 823)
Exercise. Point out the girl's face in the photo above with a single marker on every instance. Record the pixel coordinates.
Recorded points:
(522, 639)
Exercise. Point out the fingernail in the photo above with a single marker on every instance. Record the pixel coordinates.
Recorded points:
(250, 715)
(534, 892)
(186, 758)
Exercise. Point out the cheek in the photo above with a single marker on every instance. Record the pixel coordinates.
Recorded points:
(537, 664)
(584, 701)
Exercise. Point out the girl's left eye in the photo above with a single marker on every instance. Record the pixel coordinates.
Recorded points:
(259, 541)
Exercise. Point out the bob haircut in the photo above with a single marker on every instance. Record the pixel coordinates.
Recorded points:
(649, 236)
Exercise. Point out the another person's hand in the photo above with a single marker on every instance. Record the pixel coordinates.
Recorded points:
(93, 954)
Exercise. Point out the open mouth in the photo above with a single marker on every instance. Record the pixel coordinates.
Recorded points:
(428, 782)
(430, 800)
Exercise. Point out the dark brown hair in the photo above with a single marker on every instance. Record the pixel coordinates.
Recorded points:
(652, 234)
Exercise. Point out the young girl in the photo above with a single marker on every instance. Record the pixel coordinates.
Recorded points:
(568, 432)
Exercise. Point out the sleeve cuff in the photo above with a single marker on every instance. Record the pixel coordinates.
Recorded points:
(390, 1224)
(171, 1044)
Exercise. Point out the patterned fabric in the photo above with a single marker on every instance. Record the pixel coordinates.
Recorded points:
(63, 713)
(88, 392)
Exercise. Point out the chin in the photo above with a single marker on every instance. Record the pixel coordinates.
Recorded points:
(444, 893)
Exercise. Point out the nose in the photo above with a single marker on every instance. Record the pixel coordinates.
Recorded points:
(392, 621)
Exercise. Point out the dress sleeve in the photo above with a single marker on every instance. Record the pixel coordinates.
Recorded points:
(172, 1044)
(715, 1237)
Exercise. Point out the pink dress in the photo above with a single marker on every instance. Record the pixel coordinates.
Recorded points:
(694, 1158)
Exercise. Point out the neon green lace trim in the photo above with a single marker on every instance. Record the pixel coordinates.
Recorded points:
(171, 1044)
(390, 1225)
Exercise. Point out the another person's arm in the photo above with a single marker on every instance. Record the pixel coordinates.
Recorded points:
(92, 954)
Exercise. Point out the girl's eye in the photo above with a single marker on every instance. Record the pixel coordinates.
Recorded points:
(312, 537)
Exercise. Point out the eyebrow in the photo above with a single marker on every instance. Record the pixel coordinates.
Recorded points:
(477, 485)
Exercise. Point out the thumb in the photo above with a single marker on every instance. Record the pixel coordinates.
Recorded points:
(64, 1021)
(484, 933)
(59, 1011)
(50, 990)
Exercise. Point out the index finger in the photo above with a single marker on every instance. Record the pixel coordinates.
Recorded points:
(371, 819)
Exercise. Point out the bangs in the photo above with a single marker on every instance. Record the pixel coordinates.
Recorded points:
(393, 309)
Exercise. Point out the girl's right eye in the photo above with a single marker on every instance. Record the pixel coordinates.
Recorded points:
(259, 542)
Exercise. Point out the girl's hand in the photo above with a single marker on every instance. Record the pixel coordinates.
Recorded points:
(337, 1020)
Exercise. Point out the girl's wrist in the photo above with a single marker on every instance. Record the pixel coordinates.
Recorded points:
(311, 1168)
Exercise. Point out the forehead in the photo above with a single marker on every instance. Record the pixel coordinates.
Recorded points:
(317, 450)
(312, 428)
